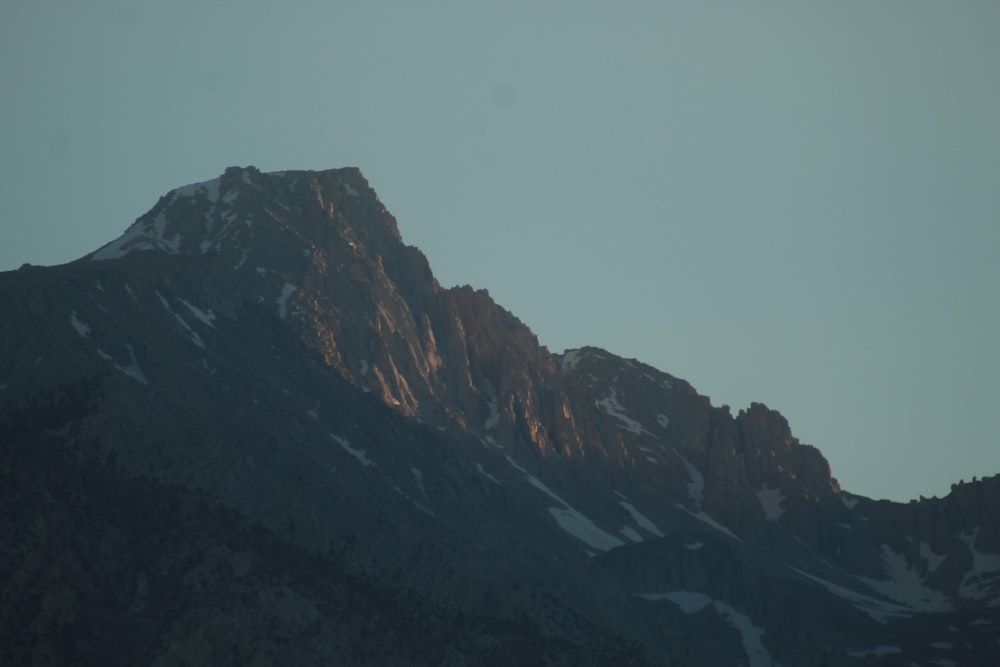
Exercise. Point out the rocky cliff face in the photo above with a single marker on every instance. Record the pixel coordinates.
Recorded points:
(328, 444)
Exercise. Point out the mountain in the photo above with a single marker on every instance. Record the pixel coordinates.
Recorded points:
(254, 429)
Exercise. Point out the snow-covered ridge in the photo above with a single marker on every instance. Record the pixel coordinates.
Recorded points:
(191, 219)
(150, 232)
(219, 199)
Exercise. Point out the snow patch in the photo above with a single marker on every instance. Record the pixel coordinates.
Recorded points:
(207, 318)
(195, 338)
(877, 652)
(148, 234)
(363, 367)
(630, 533)
(569, 519)
(611, 405)
(349, 190)
(420, 507)
(534, 481)
(973, 585)
(286, 291)
(569, 360)
(82, 328)
(494, 419)
(641, 520)
(584, 529)
(770, 502)
(696, 486)
(694, 546)
(905, 585)
(132, 370)
(879, 610)
(482, 471)
(208, 189)
(692, 603)
(360, 454)
(662, 420)
(243, 259)
(701, 516)
(932, 559)
(849, 503)
(171, 246)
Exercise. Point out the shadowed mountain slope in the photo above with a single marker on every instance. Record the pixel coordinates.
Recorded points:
(255, 429)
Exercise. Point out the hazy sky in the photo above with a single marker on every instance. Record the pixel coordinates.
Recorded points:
(796, 203)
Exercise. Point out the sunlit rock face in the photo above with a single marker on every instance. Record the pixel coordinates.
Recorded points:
(256, 421)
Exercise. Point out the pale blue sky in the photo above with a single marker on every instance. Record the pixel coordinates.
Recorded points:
(788, 202)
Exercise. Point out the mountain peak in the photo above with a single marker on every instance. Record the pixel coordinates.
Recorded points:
(231, 214)
(264, 350)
